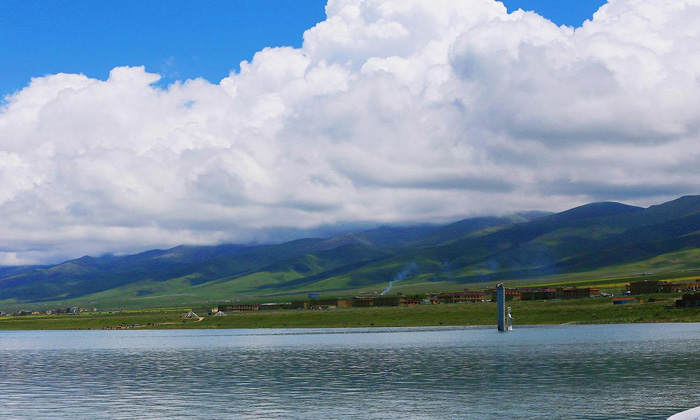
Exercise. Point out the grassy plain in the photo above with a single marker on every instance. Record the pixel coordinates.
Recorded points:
(584, 311)
(166, 310)
(609, 280)
(677, 266)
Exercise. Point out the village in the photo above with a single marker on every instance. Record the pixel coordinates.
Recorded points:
(630, 295)
(690, 298)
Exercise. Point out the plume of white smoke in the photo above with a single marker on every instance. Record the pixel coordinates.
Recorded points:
(402, 275)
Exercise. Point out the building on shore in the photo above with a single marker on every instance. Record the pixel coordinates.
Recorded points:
(367, 301)
(274, 306)
(511, 294)
(299, 304)
(387, 301)
(241, 307)
(576, 293)
(405, 301)
(644, 287)
(647, 287)
(329, 303)
(544, 293)
(465, 296)
(689, 301)
(538, 294)
(461, 297)
(679, 287)
(363, 301)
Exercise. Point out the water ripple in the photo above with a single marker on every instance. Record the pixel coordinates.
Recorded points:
(598, 372)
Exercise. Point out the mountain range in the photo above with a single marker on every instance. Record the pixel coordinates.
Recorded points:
(476, 250)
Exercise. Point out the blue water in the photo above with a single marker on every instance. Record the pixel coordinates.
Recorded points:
(644, 371)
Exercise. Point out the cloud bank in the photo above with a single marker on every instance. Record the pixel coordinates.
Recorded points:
(392, 111)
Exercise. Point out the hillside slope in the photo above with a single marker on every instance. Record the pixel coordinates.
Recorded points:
(479, 249)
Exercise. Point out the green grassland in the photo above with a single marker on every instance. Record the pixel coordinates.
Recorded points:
(583, 311)
(273, 286)
(677, 266)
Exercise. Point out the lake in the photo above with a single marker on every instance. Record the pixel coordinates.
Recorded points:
(641, 371)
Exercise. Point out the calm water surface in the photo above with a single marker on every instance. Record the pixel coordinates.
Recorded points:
(646, 371)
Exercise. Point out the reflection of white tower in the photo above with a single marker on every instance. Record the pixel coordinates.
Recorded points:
(501, 302)
(510, 320)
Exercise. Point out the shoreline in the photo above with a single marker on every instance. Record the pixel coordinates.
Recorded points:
(584, 311)
(493, 327)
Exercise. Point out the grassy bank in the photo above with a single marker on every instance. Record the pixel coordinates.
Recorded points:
(610, 280)
(599, 310)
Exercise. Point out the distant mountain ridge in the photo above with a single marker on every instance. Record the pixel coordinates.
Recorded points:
(524, 245)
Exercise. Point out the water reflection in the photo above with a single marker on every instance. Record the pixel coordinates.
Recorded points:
(592, 372)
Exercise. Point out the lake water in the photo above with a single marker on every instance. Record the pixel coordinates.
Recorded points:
(644, 371)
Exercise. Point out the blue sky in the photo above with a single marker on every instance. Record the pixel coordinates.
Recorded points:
(178, 39)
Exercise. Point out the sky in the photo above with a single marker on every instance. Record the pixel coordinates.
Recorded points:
(178, 39)
(132, 125)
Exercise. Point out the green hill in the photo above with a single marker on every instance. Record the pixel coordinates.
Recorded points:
(589, 238)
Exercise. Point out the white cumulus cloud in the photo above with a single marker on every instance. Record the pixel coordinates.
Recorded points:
(392, 111)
